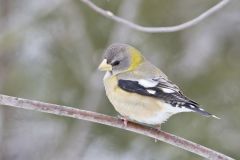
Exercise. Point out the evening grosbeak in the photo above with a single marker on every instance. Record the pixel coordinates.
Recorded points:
(139, 91)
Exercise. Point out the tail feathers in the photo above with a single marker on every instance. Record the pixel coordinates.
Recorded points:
(215, 116)
(194, 107)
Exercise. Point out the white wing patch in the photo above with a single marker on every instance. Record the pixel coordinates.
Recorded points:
(167, 90)
(192, 106)
(151, 91)
(153, 83)
(147, 83)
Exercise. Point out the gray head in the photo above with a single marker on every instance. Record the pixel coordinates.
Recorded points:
(120, 58)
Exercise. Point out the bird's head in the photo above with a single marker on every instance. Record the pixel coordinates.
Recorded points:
(119, 58)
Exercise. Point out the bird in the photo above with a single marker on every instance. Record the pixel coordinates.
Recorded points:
(139, 91)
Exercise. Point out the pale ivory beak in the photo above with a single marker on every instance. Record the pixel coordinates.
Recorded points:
(104, 66)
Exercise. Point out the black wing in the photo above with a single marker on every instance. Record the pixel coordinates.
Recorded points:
(175, 98)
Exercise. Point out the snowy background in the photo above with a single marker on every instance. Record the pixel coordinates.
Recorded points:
(50, 50)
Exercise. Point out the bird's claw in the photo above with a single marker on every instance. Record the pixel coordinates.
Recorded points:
(158, 127)
(124, 119)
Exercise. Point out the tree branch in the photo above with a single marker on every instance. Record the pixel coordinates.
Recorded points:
(138, 27)
(114, 122)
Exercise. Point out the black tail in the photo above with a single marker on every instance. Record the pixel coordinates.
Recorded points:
(195, 107)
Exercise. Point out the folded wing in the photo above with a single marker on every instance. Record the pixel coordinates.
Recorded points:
(164, 90)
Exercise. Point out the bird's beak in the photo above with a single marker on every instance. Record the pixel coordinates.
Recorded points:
(104, 66)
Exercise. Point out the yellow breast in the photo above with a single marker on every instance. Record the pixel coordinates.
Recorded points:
(132, 105)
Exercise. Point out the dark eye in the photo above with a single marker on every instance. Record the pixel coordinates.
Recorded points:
(115, 63)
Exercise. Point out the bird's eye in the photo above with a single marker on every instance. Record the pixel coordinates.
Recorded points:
(115, 63)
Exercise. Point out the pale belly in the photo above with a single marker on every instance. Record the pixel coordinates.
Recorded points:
(134, 106)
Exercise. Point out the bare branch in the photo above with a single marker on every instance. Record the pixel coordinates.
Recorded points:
(179, 27)
(114, 122)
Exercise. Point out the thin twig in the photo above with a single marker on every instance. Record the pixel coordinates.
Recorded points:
(114, 122)
(138, 27)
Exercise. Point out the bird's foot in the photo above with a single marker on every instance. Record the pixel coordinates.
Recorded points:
(158, 127)
(124, 119)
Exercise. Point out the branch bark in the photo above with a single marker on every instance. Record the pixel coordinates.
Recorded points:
(138, 27)
(114, 122)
